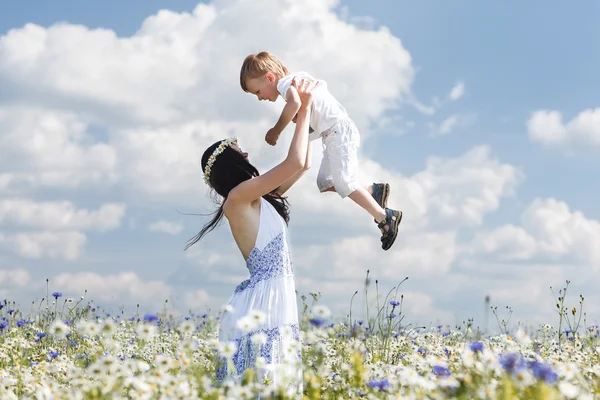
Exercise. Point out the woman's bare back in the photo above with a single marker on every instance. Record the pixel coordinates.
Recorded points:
(244, 221)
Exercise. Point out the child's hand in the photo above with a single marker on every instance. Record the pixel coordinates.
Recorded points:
(272, 136)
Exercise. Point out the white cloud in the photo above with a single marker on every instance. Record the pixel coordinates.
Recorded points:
(451, 123)
(60, 215)
(124, 286)
(197, 299)
(448, 124)
(549, 231)
(563, 233)
(171, 228)
(579, 134)
(17, 277)
(417, 304)
(423, 254)
(552, 244)
(422, 108)
(464, 189)
(457, 91)
(167, 92)
(51, 148)
(62, 245)
(507, 243)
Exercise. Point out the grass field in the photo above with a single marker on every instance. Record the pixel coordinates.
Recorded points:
(70, 349)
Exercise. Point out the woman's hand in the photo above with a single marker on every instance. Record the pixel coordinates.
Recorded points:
(305, 88)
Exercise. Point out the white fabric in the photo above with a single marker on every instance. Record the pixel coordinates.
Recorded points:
(325, 109)
(270, 290)
(339, 167)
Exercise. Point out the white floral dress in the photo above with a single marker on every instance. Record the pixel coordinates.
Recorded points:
(264, 319)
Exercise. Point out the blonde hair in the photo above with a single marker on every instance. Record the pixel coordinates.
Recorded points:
(259, 64)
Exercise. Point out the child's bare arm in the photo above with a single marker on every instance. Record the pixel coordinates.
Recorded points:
(290, 110)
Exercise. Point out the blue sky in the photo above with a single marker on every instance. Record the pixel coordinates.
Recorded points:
(514, 58)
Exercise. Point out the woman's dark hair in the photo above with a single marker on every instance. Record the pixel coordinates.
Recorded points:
(229, 170)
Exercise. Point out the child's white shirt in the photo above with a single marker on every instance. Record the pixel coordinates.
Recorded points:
(325, 110)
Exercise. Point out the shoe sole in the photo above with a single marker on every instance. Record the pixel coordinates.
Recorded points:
(395, 229)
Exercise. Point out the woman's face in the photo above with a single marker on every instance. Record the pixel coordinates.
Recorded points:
(239, 150)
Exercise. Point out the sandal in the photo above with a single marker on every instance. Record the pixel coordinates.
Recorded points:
(391, 221)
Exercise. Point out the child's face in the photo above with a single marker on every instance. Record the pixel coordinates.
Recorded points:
(264, 87)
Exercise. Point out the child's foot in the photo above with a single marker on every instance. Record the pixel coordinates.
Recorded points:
(389, 227)
(381, 192)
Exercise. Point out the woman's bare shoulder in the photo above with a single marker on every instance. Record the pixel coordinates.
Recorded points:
(236, 208)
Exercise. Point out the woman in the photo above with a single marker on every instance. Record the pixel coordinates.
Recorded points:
(262, 320)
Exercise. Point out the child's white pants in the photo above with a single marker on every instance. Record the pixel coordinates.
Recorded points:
(339, 167)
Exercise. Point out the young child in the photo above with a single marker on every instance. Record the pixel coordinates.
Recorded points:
(264, 76)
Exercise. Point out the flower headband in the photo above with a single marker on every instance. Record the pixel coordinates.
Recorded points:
(211, 160)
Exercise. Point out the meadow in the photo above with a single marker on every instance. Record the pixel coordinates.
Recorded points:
(72, 349)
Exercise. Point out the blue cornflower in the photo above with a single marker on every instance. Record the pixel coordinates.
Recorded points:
(3, 325)
(543, 372)
(476, 346)
(360, 322)
(382, 384)
(22, 322)
(10, 311)
(441, 371)
(150, 317)
(41, 335)
(204, 316)
(317, 321)
(56, 295)
(511, 362)
(394, 303)
(421, 351)
(53, 354)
